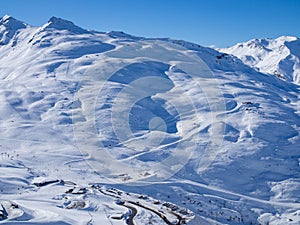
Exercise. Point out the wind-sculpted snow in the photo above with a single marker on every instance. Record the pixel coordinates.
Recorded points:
(162, 158)
(89, 118)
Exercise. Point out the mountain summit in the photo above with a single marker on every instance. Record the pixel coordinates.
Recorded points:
(109, 128)
(61, 24)
(280, 56)
(9, 26)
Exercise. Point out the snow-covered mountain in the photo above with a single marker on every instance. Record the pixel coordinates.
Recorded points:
(280, 57)
(110, 128)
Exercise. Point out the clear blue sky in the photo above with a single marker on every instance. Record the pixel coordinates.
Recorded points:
(211, 22)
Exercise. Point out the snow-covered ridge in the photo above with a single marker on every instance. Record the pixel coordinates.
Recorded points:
(67, 94)
(279, 56)
(61, 24)
(9, 26)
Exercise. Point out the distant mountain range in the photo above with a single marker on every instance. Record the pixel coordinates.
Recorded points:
(279, 57)
(110, 128)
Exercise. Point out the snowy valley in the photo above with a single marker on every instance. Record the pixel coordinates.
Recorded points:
(110, 128)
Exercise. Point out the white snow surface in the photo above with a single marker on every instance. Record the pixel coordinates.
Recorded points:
(280, 56)
(96, 124)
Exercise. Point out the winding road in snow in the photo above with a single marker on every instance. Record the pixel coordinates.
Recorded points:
(133, 210)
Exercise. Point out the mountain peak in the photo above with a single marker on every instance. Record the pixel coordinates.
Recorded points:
(62, 24)
(8, 28)
(259, 42)
(11, 22)
(5, 18)
(271, 56)
(57, 20)
(264, 43)
(287, 38)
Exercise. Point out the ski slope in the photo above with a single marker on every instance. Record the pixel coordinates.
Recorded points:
(105, 127)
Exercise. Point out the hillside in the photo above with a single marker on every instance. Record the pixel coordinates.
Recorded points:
(113, 128)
